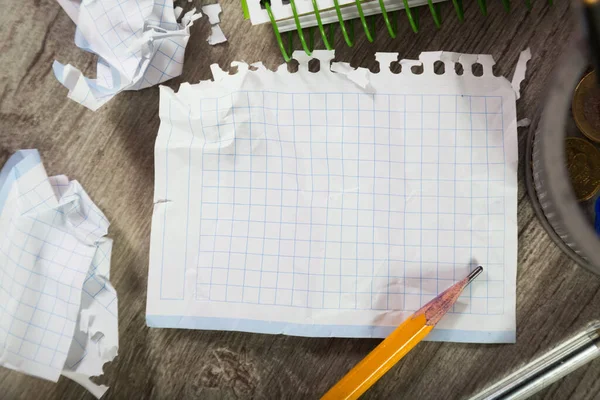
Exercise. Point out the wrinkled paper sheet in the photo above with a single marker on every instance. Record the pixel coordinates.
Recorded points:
(336, 204)
(139, 44)
(58, 309)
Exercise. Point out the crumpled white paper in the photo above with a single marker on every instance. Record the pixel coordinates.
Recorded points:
(139, 44)
(59, 309)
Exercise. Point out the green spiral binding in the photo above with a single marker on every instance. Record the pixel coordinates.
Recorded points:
(348, 34)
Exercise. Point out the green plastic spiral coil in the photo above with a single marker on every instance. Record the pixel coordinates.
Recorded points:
(348, 32)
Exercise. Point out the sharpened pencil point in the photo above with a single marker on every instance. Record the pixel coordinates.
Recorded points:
(437, 308)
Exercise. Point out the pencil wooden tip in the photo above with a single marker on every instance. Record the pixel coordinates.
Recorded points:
(438, 307)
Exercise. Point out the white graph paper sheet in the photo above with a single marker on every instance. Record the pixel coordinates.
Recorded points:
(58, 312)
(304, 204)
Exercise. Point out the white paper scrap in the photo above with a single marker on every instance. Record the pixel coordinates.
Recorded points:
(213, 11)
(139, 44)
(520, 71)
(359, 76)
(216, 35)
(298, 203)
(59, 309)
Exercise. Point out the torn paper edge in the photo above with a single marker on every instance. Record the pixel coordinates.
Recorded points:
(97, 327)
(520, 71)
(84, 380)
(212, 11)
(361, 76)
(216, 33)
(216, 36)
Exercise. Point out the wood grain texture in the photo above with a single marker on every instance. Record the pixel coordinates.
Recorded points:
(111, 153)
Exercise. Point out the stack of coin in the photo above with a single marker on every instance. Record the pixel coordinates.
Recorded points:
(583, 158)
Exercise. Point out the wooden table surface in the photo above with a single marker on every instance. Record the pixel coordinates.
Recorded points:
(111, 153)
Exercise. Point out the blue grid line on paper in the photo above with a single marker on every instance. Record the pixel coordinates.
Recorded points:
(455, 188)
(373, 222)
(437, 239)
(233, 200)
(357, 203)
(327, 191)
(421, 212)
(338, 208)
(404, 304)
(343, 259)
(308, 109)
(340, 159)
(504, 175)
(471, 153)
(201, 199)
(288, 151)
(487, 283)
(189, 198)
(341, 211)
(229, 124)
(250, 201)
(312, 185)
(210, 292)
(295, 223)
(281, 209)
(164, 224)
(349, 141)
(389, 210)
(339, 176)
(449, 281)
(265, 210)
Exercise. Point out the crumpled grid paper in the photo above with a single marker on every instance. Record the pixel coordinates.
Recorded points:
(139, 44)
(58, 311)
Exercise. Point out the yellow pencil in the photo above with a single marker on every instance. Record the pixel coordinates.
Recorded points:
(397, 344)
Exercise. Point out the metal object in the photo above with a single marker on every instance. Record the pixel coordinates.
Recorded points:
(586, 112)
(547, 177)
(548, 368)
(583, 163)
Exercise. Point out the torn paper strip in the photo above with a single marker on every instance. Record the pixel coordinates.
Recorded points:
(139, 43)
(216, 35)
(54, 270)
(212, 11)
(520, 70)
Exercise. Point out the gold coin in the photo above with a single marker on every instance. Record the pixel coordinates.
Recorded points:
(586, 107)
(583, 163)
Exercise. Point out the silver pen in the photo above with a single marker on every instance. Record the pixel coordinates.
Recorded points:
(548, 368)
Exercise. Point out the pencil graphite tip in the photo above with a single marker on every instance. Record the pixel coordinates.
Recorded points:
(438, 307)
(474, 274)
